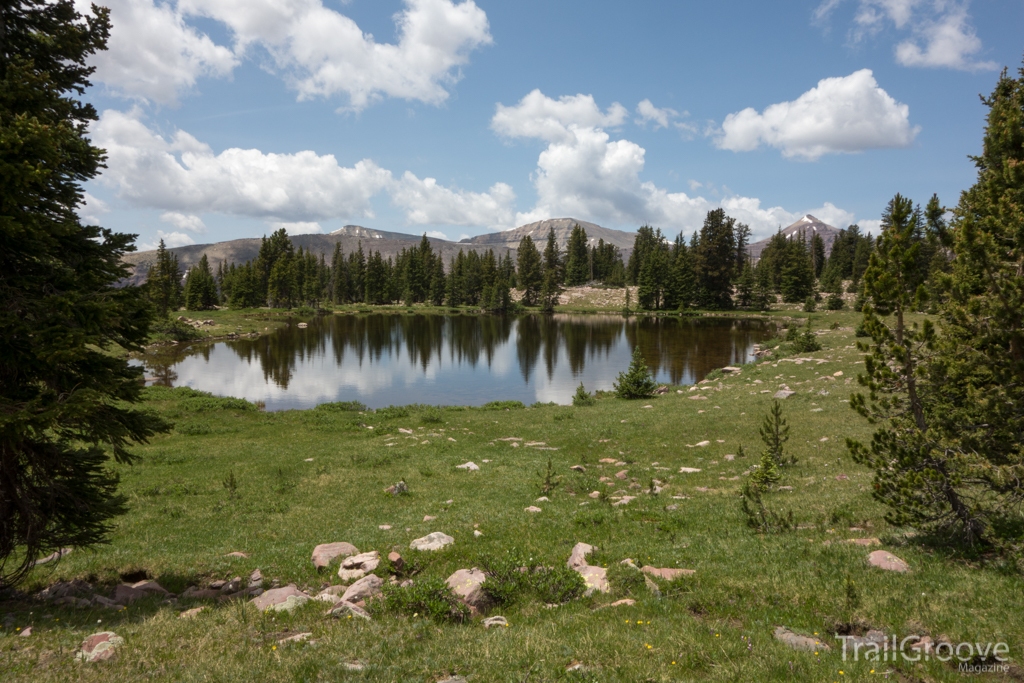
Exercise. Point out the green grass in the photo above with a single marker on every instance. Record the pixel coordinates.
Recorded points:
(714, 626)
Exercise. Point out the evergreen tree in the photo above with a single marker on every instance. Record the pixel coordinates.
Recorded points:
(529, 275)
(637, 381)
(552, 260)
(67, 402)
(714, 260)
(817, 254)
(577, 258)
(797, 275)
(200, 287)
(163, 282)
(437, 282)
(948, 455)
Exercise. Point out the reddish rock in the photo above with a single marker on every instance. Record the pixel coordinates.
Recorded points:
(622, 474)
(578, 557)
(99, 647)
(325, 553)
(396, 560)
(799, 642)
(596, 579)
(238, 554)
(887, 561)
(280, 599)
(467, 584)
(363, 589)
(667, 573)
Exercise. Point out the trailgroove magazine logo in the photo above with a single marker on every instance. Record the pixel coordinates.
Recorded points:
(975, 657)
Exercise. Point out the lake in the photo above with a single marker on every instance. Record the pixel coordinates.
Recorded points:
(396, 358)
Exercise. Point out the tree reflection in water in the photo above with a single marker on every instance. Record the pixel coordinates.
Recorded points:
(678, 350)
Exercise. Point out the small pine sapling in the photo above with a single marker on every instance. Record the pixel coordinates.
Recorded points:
(775, 433)
(582, 397)
(636, 382)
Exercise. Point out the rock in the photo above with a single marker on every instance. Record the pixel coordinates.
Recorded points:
(624, 500)
(297, 638)
(698, 397)
(841, 477)
(622, 474)
(429, 518)
(477, 533)
(495, 621)
(625, 602)
(578, 557)
(194, 593)
(366, 587)
(730, 368)
(125, 594)
(238, 554)
(702, 444)
(364, 561)
(217, 585)
(661, 390)
(470, 466)
(454, 679)
(596, 579)
(837, 374)
(98, 601)
(887, 561)
(397, 489)
(192, 613)
(396, 560)
(342, 609)
(256, 578)
(325, 553)
(594, 494)
(543, 499)
(688, 470)
(384, 527)
(797, 641)
(608, 461)
(667, 573)
(648, 406)
(433, 541)
(280, 599)
(63, 589)
(467, 584)
(532, 508)
(783, 394)
(347, 575)
(578, 468)
(866, 542)
(150, 586)
(99, 647)
(232, 586)
(872, 637)
(25, 632)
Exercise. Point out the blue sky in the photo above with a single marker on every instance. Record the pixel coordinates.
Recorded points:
(230, 118)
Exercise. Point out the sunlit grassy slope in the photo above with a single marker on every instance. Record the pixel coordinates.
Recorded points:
(309, 477)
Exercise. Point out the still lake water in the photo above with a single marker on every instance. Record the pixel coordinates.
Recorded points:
(397, 359)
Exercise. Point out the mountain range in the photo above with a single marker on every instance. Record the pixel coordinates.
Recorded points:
(390, 244)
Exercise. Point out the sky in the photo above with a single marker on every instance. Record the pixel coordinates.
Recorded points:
(224, 119)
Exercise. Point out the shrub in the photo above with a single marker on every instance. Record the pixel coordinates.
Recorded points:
(342, 407)
(504, 405)
(205, 403)
(775, 433)
(806, 341)
(636, 382)
(512, 578)
(429, 598)
(835, 302)
(626, 581)
(809, 304)
(582, 397)
(432, 416)
(392, 412)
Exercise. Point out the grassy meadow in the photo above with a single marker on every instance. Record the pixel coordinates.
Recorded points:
(302, 478)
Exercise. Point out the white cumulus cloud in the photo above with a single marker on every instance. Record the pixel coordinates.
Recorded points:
(848, 114)
(92, 208)
(584, 173)
(539, 116)
(323, 53)
(427, 203)
(949, 41)
(171, 240)
(941, 33)
(181, 174)
(153, 54)
(182, 221)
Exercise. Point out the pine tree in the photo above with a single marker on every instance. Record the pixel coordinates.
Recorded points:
(200, 287)
(948, 455)
(637, 381)
(577, 258)
(529, 275)
(68, 404)
(817, 254)
(163, 282)
(714, 260)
